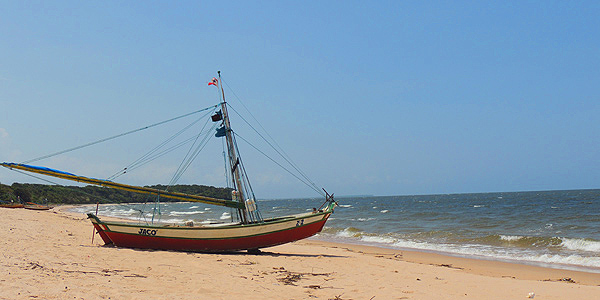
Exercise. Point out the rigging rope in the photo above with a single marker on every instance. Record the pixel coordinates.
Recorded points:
(308, 182)
(279, 149)
(147, 157)
(228, 182)
(244, 174)
(116, 136)
(301, 180)
(286, 157)
(187, 161)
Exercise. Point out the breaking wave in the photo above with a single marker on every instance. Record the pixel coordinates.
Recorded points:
(183, 213)
(563, 252)
(581, 244)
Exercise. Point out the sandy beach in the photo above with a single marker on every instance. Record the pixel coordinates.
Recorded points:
(49, 255)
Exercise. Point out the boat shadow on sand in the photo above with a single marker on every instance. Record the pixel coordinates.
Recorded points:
(234, 253)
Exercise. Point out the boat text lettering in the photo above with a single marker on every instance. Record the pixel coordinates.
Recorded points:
(299, 222)
(147, 231)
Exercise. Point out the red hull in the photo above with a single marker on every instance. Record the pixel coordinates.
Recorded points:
(254, 242)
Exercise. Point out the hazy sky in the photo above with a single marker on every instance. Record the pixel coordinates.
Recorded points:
(380, 97)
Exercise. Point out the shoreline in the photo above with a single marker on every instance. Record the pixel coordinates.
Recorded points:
(484, 267)
(557, 266)
(48, 255)
(545, 265)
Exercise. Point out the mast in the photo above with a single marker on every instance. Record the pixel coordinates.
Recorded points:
(234, 160)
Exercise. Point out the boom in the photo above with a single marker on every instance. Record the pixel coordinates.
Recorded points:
(120, 186)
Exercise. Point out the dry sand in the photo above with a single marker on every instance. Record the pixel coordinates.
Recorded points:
(49, 255)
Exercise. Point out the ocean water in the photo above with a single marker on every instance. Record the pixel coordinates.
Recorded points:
(559, 229)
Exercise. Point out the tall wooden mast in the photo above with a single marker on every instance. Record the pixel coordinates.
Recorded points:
(234, 160)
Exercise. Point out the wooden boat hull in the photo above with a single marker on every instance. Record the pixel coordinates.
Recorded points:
(212, 238)
(12, 205)
(37, 207)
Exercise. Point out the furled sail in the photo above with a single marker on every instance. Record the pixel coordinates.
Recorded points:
(120, 186)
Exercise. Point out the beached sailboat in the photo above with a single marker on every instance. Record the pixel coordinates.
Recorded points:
(11, 205)
(36, 206)
(251, 232)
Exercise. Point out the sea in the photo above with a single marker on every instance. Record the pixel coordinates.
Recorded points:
(557, 229)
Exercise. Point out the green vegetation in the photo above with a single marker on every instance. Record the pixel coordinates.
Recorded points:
(58, 194)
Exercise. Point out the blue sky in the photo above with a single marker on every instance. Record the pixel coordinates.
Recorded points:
(384, 98)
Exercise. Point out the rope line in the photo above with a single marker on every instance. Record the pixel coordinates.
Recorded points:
(280, 150)
(150, 156)
(116, 136)
(274, 161)
(308, 182)
(187, 161)
(286, 157)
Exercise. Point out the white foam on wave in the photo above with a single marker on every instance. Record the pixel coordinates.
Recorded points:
(384, 211)
(477, 206)
(225, 216)
(414, 245)
(580, 244)
(174, 221)
(195, 206)
(84, 209)
(567, 261)
(510, 238)
(346, 205)
(577, 260)
(378, 239)
(348, 233)
(502, 253)
(183, 213)
(526, 256)
(122, 212)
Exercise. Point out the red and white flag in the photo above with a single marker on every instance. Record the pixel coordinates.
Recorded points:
(213, 82)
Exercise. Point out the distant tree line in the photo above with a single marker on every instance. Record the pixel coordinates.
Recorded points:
(58, 194)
